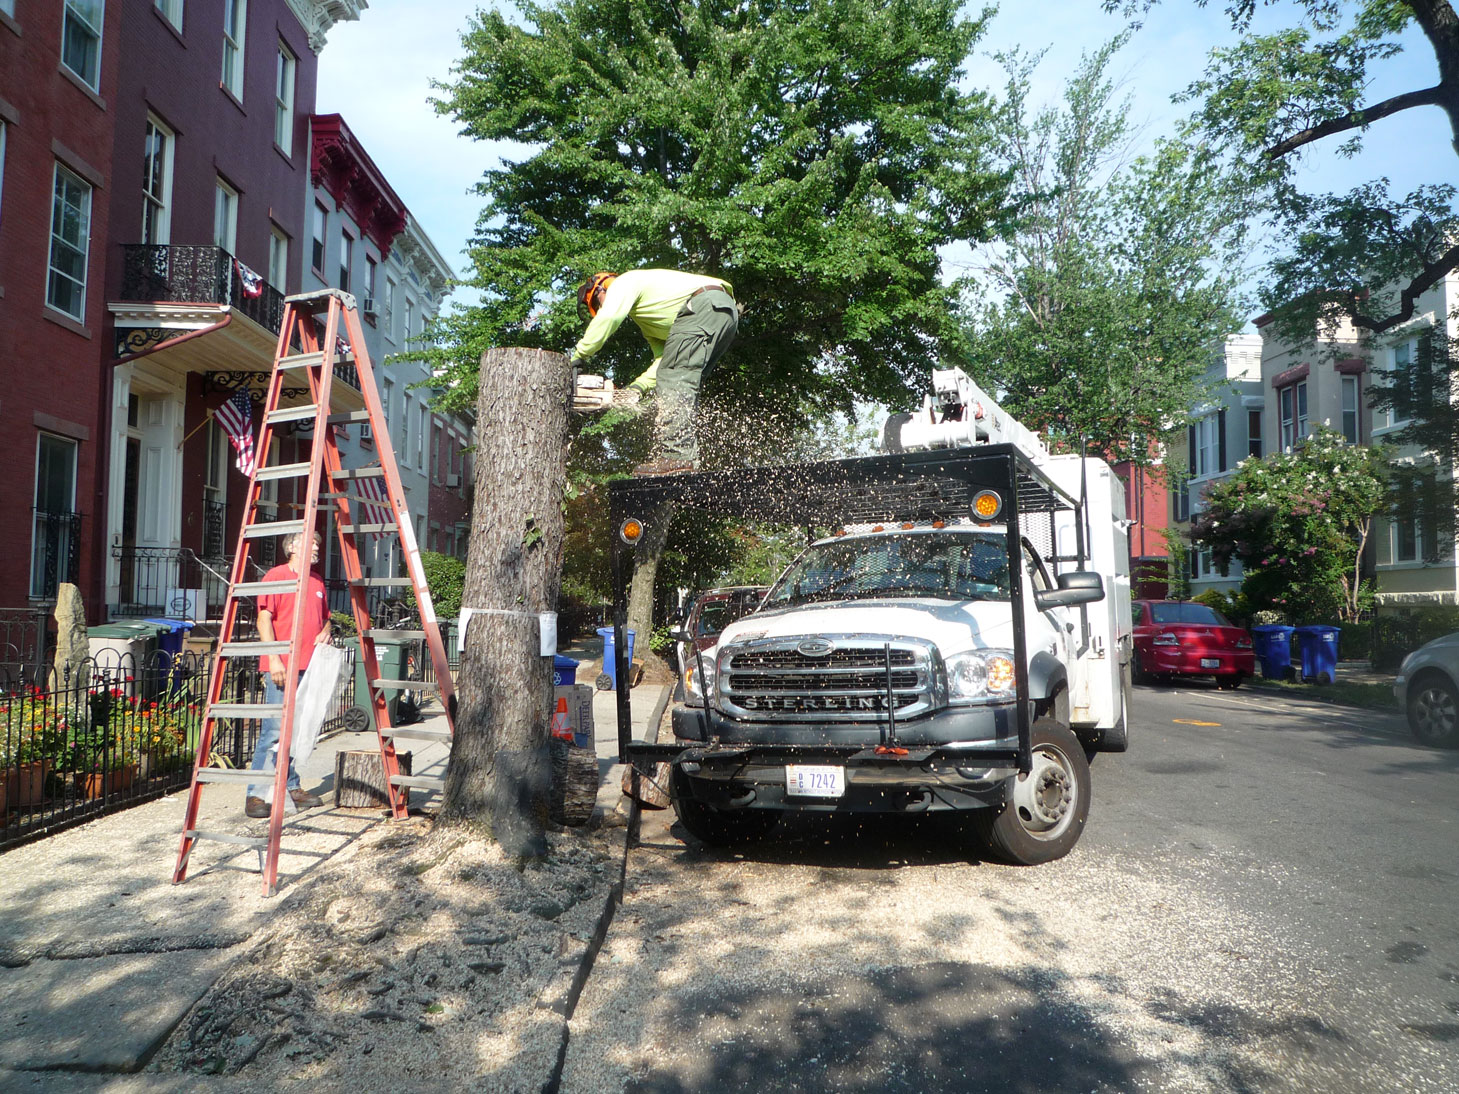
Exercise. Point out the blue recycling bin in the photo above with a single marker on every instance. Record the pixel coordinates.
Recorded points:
(1318, 646)
(610, 654)
(564, 671)
(170, 633)
(1273, 642)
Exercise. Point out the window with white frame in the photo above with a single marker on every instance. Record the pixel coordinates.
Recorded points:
(1253, 433)
(1205, 447)
(70, 238)
(1413, 523)
(171, 10)
(55, 542)
(1351, 402)
(409, 320)
(284, 100)
(81, 40)
(405, 416)
(388, 309)
(370, 271)
(157, 183)
(346, 259)
(420, 436)
(387, 401)
(225, 217)
(316, 253)
(235, 21)
(1292, 412)
(278, 258)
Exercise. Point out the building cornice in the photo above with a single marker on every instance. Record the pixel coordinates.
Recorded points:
(418, 252)
(339, 166)
(317, 16)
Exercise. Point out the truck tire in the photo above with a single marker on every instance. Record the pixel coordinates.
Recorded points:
(1045, 814)
(1117, 737)
(716, 827)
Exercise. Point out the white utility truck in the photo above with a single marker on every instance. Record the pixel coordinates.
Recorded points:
(958, 638)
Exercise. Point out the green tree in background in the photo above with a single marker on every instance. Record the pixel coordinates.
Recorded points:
(1098, 312)
(1367, 255)
(816, 154)
(1298, 521)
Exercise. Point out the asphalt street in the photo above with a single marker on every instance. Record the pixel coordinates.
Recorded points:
(1264, 899)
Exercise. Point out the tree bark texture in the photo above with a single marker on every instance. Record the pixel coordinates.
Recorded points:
(501, 772)
(359, 779)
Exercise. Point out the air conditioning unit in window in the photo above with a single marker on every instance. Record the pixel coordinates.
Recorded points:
(452, 479)
(369, 305)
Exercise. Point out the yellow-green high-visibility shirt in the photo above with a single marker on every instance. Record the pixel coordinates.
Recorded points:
(652, 299)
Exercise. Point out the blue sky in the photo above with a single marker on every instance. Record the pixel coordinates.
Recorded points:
(377, 72)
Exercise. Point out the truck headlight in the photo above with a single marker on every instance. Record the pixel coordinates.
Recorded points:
(693, 685)
(980, 674)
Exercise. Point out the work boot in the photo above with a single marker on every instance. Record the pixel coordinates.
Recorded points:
(656, 468)
(256, 808)
(305, 800)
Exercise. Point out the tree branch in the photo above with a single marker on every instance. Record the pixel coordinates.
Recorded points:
(1427, 279)
(1356, 119)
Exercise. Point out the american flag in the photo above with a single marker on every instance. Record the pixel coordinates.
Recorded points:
(376, 511)
(250, 282)
(236, 418)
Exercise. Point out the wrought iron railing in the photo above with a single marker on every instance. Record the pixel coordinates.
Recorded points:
(25, 643)
(179, 273)
(215, 528)
(55, 552)
(167, 582)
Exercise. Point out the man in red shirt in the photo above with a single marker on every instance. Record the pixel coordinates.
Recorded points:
(275, 623)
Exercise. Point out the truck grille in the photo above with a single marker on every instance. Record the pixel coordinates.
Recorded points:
(777, 680)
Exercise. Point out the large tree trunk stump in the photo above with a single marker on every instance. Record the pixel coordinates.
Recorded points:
(359, 779)
(574, 783)
(501, 767)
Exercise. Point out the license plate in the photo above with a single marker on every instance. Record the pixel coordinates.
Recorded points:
(1210, 662)
(812, 781)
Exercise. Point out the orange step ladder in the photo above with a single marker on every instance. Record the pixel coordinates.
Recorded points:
(304, 349)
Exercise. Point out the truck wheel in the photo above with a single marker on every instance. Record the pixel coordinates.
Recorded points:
(716, 827)
(1117, 737)
(1433, 712)
(1141, 676)
(1045, 814)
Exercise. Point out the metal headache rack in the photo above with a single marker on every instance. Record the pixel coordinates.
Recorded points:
(916, 488)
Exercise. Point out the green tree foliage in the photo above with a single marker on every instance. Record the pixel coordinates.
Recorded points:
(1369, 254)
(1298, 521)
(1100, 306)
(817, 154)
(446, 579)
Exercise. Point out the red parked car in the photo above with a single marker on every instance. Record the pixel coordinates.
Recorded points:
(1186, 638)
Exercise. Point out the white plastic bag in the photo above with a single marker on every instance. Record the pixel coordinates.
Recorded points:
(320, 683)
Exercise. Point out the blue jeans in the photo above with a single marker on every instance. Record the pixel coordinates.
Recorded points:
(268, 736)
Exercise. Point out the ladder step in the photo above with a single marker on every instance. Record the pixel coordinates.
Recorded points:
(417, 733)
(405, 685)
(259, 588)
(381, 582)
(361, 529)
(349, 417)
(253, 649)
(282, 471)
(359, 473)
(418, 782)
(227, 837)
(245, 775)
(246, 710)
(392, 632)
(273, 528)
(292, 414)
(301, 360)
(318, 299)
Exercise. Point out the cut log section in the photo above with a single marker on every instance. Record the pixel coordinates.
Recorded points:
(649, 789)
(574, 784)
(359, 780)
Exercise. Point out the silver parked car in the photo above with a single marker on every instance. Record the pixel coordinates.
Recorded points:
(1428, 689)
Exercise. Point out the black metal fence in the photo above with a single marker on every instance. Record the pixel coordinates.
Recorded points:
(168, 583)
(113, 732)
(56, 547)
(198, 275)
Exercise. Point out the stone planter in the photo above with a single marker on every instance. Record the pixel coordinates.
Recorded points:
(98, 783)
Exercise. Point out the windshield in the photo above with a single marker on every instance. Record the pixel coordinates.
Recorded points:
(945, 565)
(1180, 612)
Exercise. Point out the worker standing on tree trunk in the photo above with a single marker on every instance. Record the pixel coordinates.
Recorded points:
(689, 321)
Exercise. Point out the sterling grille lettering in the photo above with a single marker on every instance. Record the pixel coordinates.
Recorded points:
(774, 680)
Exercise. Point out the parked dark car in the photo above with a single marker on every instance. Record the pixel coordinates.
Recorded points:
(1187, 638)
(1427, 691)
(709, 613)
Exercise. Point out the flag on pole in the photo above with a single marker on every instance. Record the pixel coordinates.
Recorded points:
(377, 510)
(236, 418)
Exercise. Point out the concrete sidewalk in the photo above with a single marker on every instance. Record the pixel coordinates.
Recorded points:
(101, 955)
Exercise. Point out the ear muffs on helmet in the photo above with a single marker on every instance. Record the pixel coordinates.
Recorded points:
(599, 282)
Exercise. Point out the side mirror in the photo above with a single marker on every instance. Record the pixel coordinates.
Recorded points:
(680, 635)
(1079, 587)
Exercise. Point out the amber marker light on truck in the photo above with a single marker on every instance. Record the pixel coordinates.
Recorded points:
(630, 531)
(986, 505)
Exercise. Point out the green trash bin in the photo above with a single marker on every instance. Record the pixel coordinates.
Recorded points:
(391, 654)
(124, 653)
